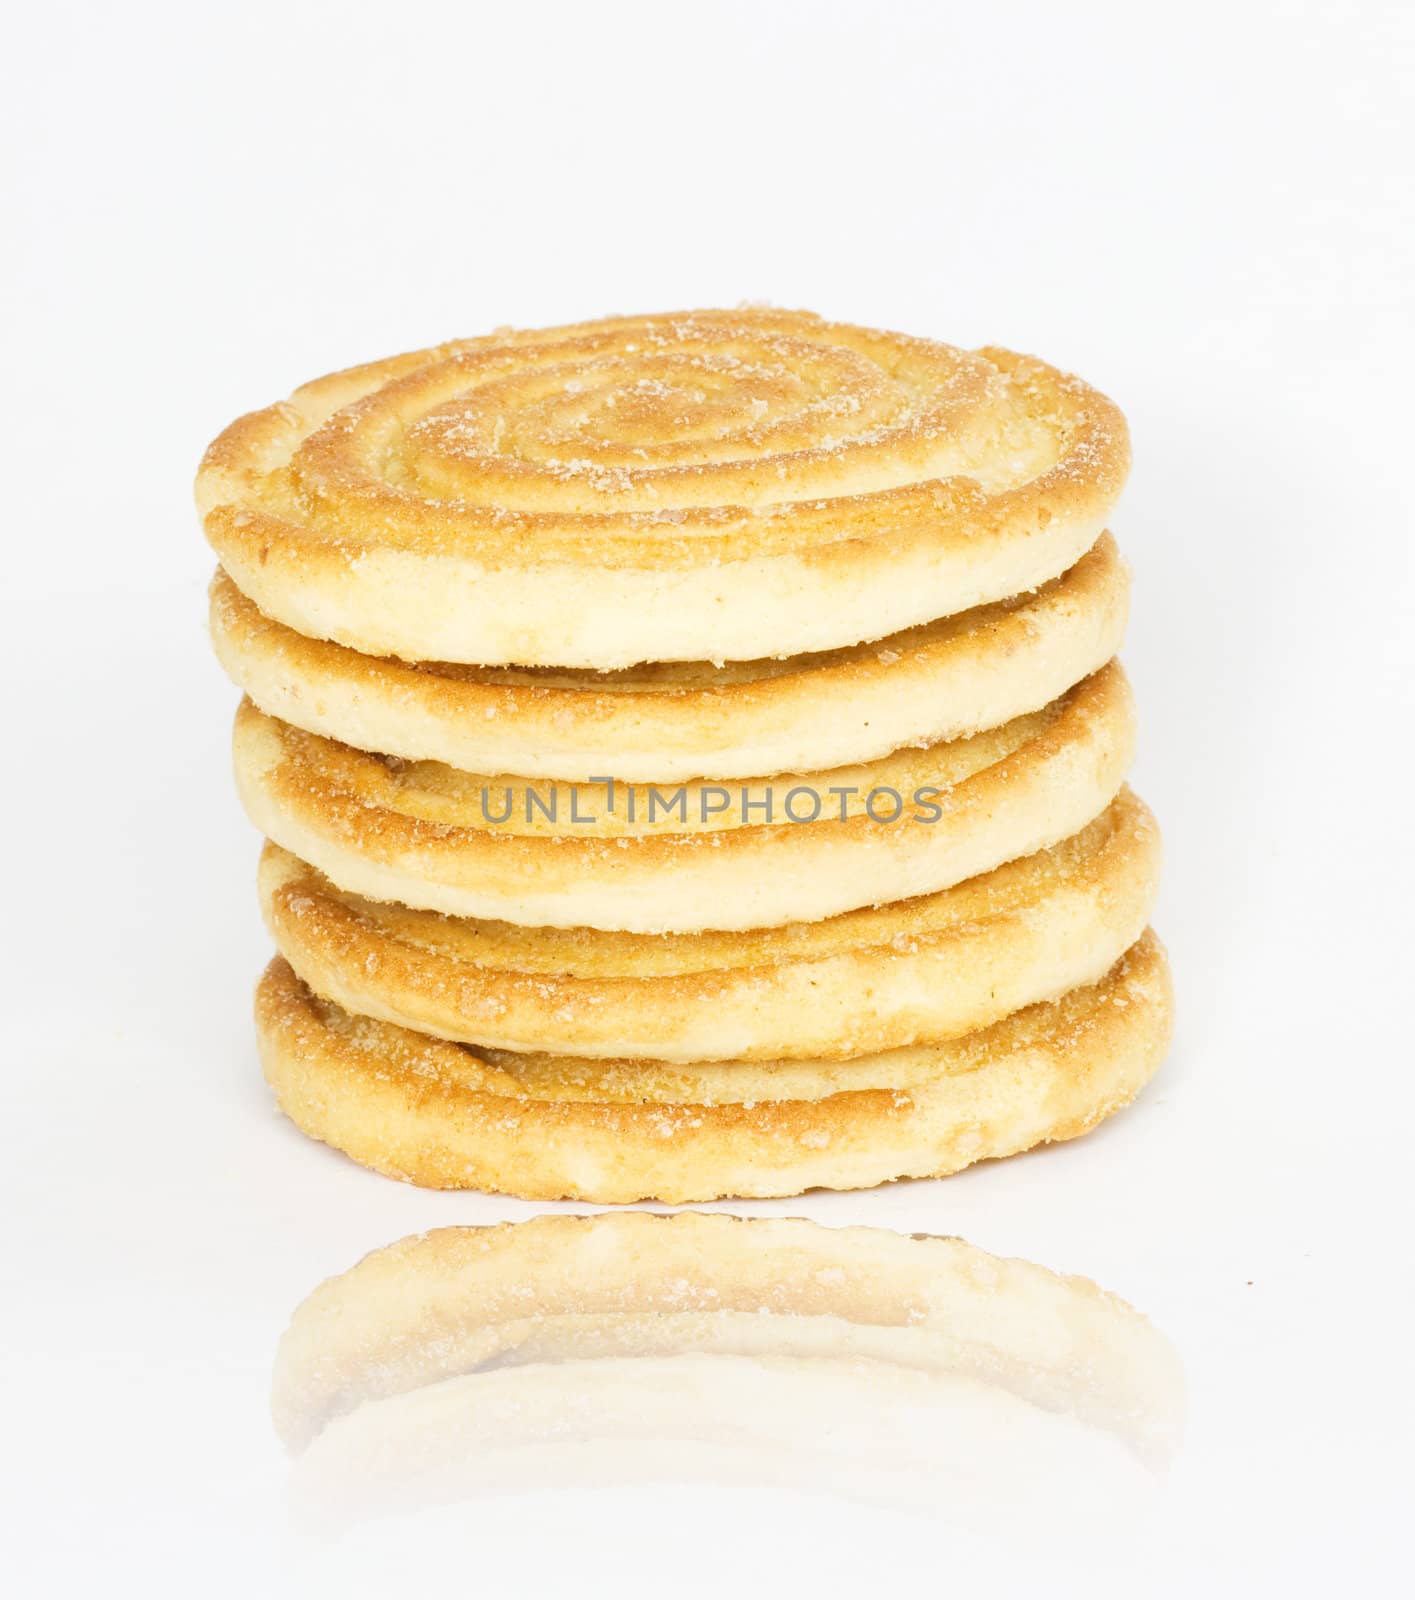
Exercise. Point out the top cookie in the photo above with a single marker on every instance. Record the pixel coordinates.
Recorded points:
(715, 485)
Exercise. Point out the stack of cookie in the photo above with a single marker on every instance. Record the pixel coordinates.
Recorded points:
(692, 757)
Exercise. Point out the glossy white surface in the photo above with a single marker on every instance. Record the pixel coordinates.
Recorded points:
(1205, 215)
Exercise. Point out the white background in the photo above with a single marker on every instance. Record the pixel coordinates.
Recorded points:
(1206, 210)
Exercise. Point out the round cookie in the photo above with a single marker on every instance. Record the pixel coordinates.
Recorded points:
(707, 486)
(547, 1128)
(675, 721)
(644, 860)
(867, 980)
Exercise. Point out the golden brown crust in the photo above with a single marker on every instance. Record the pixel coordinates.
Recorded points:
(557, 1290)
(426, 836)
(865, 981)
(445, 1116)
(674, 721)
(783, 484)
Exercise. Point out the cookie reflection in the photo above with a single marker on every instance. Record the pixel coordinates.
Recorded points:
(632, 1347)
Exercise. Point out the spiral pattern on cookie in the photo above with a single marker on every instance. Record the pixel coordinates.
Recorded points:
(663, 450)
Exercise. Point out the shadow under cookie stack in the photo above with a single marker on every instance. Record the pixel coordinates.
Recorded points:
(691, 756)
